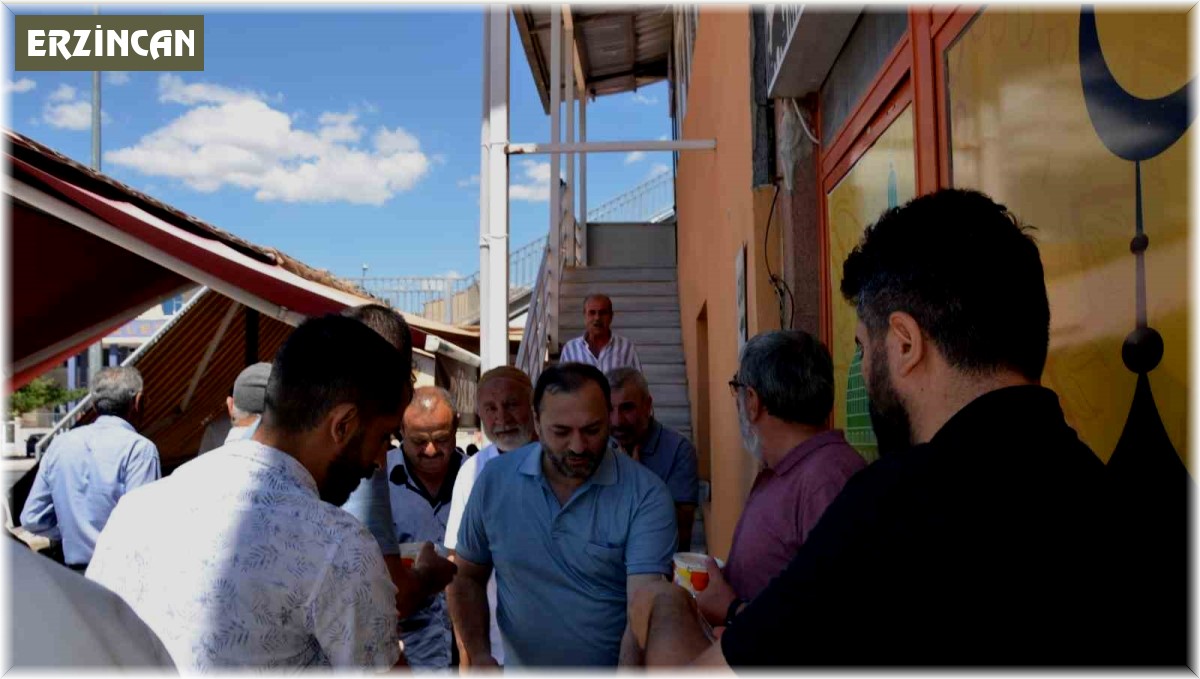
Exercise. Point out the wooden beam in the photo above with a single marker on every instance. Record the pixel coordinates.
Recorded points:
(202, 367)
(575, 37)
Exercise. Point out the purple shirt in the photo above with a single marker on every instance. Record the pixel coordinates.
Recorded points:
(784, 505)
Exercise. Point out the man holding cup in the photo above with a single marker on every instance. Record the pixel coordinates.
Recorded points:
(422, 474)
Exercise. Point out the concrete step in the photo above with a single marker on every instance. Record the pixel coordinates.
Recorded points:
(668, 394)
(626, 319)
(622, 288)
(573, 304)
(616, 274)
(665, 373)
(660, 354)
(675, 417)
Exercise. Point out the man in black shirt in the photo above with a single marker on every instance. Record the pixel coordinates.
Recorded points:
(982, 535)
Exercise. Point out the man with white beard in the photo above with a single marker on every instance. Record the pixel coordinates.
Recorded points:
(504, 401)
(784, 393)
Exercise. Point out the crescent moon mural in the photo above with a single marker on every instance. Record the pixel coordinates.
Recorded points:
(1136, 130)
(1132, 128)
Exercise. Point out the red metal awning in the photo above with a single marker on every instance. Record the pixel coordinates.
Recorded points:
(90, 254)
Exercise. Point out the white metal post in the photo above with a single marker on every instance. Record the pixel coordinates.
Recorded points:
(493, 317)
(568, 59)
(556, 253)
(583, 177)
(485, 280)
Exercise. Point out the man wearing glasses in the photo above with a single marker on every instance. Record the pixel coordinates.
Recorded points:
(784, 394)
(422, 474)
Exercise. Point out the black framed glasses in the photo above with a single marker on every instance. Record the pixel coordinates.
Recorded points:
(735, 384)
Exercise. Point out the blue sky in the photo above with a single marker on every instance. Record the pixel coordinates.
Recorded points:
(337, 137)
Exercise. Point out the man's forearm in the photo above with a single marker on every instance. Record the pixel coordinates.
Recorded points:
(410, 594)
(469, 612)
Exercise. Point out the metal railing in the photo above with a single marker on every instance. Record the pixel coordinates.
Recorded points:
(454, 300)
(649, 201)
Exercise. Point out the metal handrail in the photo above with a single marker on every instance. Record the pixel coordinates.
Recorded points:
(642, 203)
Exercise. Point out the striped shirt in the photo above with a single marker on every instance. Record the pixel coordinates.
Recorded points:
(618, 353)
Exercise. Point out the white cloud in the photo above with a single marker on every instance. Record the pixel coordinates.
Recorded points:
(395, 141)
(643, 99)
(74, 115)
(439, 158)
(19, 87)
(63, 93)
(339, 127)
(231, 138)
(657, 169)
(66, 112)
(635, 157)
(117, 78)
(664, 137)
(536, 188)
(172, 89)
(473, 180)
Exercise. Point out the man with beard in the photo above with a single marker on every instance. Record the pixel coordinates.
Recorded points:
(504, 403)
(661, 449)
(979, 537)
(571, 528)
(600, 346)
(260, 567)
(784, 393)
(371, 502)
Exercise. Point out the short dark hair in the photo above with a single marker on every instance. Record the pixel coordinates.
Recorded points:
(390, 325)
(792, 373)
(327, 361)
(568, 378)
(967, 270)
(115, 390)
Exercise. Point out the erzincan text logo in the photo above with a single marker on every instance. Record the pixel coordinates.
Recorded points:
(89, 42)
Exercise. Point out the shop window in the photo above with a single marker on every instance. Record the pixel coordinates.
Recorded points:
(883, 177)
(173, 305)
(1028, 128)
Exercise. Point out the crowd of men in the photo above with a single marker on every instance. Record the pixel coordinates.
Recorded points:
(339, 525)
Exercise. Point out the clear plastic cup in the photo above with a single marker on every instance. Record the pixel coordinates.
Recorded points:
(410, 550)
(691, 571)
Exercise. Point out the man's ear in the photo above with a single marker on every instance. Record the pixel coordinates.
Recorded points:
(229, 406)
(753, 405)
(908, 343)
(137, 403)
(341, 422)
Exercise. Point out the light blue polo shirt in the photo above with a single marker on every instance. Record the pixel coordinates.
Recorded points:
(560, 571)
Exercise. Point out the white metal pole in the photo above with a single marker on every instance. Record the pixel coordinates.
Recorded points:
(556, 253)
(525, 148)
(494, 335)
(485, 280)
(583, 176)
(568, 60)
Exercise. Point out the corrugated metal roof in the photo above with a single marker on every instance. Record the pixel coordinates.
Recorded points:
(170, 418)
(621, 48)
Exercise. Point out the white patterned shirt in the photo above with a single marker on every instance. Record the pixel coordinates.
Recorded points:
(618, 353)
(234, 561)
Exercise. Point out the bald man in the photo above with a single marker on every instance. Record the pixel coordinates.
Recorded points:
(422, 472)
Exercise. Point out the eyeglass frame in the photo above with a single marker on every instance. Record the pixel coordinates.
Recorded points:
(735, 384)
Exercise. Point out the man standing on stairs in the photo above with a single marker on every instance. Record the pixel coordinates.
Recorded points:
(661, 449)
(600, 346)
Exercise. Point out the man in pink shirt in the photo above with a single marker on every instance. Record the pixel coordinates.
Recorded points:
(784, 394)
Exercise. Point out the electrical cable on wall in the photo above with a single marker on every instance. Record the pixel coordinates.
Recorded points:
(779, 286)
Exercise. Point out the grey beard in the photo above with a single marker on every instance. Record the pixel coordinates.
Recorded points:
(750, 439)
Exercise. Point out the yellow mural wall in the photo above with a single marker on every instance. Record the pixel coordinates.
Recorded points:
(883, 177)
(1020, 131)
